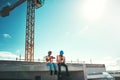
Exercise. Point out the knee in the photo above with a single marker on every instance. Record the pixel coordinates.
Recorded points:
(54, 64)
(51, 64)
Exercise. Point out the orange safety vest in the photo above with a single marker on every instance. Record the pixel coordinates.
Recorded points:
(49, 58)
(60, 59)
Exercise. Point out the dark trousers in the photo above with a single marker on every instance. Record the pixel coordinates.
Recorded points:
(59, 68)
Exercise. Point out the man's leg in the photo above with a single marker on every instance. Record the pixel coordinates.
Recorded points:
(67, 73)
(50, 65)
(59, 70)
(55, 69)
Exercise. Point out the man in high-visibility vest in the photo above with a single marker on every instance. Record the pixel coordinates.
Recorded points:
(50, 63)
(61, 62)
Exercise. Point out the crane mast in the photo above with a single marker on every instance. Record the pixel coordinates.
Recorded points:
(30, 22)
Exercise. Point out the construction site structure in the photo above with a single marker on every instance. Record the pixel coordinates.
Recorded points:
(30, 22)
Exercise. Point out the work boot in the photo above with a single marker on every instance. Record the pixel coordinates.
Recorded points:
(59, 75)
(55, 72)
(67, 74)
(51, 72)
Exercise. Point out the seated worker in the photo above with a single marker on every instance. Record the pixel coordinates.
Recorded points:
(61, 62)
(50, 63)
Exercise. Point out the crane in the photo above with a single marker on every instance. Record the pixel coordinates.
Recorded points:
(30, 21)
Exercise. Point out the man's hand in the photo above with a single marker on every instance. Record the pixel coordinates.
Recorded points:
(52, 57)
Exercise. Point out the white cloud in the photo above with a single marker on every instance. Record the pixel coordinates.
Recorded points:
(6, 35)
(111, 63)
(7, 55)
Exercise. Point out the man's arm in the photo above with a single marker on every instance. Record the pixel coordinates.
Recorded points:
(47, 59)
(57, 59)
(52, 57)
(63, 59)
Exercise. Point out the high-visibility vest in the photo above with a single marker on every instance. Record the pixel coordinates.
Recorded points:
(60, 59)
(49, 58)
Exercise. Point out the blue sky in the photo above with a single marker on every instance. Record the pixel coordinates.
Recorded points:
(86, 30)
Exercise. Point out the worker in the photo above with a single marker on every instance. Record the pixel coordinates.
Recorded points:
(50, 63)
(61, 62)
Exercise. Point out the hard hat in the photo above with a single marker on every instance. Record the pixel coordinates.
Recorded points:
(61, 52)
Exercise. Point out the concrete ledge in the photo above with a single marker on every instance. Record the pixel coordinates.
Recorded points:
(33, 66)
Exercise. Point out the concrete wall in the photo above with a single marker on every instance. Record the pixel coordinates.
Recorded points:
(32, 66)
(117, 78)
(77, 75)
(74, 75)
(26, 75)
(16, 70)
(95, 72)
(95, 68)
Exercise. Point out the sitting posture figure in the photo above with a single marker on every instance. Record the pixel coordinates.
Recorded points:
(50, 63)
(61, 62)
